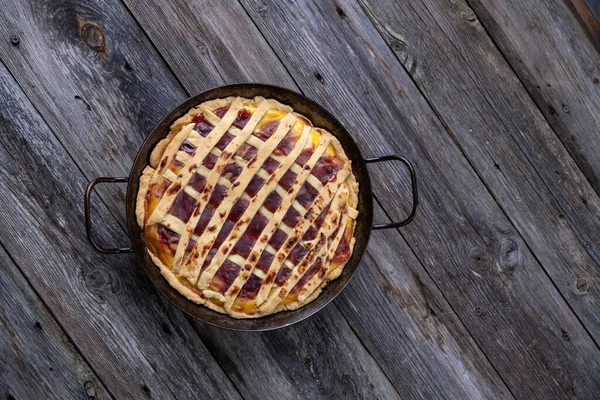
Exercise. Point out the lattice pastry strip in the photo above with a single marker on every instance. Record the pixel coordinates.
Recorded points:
(213, 177)
(324, 241)
(171, 151)
(325, 196)
(225, 249)
(192, 165)
(321, 274)
(268, 218)
(203, 245)
(191, 268)
(288, 197)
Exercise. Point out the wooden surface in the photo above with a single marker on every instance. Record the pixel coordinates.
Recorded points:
(492, 292)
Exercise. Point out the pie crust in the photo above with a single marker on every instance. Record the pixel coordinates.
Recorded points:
(247, 208)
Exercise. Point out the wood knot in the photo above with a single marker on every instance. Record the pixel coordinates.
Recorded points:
(582, 285)
(96, 279)
(509, 256)
(90, 389)
(319, 77)
(397, 45)
(477, 254)
(15, 40)
(93, 36)
(263, 10)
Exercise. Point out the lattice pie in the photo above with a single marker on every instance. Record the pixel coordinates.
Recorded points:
(247, 208)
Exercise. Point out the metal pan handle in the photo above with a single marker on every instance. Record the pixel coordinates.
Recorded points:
(88, 218)
(415, 191)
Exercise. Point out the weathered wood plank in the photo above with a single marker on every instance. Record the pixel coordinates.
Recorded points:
(137, 344)
(505, 138)
(209, 44)
(547, 47)
(411, 329)
(127, 98)
(407, 326)
(412, 361)
(37, 360)
(473, 253)
(319, 358)
(84, 67)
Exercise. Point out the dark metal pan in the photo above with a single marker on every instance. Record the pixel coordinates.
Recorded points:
(320, 118)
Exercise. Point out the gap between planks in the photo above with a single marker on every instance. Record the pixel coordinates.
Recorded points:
(297, 87)
(61, 327)
(123, 229)
(399, 230)
(525, 87)
(473, 167)
(122, 224)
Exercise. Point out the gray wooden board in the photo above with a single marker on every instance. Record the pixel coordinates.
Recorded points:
(107, 53)
(505, 138)
(411, 329)
(37, 360)
(209, 43)
(84, 67)
(136, 343)
(473, 253)
(319, 358)
(150, 315)
(398, 314)
(467, 374)
(547, 46)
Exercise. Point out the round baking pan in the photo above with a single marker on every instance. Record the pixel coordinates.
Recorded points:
(321, 118)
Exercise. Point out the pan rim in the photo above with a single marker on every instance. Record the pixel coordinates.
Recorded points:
(283, 318)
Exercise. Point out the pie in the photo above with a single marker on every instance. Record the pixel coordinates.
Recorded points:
(247, 208)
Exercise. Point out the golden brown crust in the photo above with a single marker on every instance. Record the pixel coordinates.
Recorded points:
(174, 282)
(141, 196)
(209, 298)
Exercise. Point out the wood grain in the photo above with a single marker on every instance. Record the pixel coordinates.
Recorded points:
(465, 372)
(547, 47)
(506, 139)
(319, 358)
(151, 314)
(397, 313)
(462, 243)
(474, 255)
(208, 44)
(37, 358)
(411, 329)
(138, 345)
(85, 68)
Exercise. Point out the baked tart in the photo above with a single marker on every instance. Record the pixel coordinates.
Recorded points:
(247, 208)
